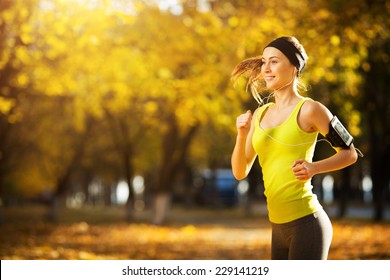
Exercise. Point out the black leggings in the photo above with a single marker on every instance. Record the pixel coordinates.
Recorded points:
(307, 238)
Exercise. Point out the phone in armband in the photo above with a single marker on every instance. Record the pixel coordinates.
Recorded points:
(338, 135)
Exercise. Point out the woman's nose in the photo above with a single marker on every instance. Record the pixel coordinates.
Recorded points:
(266, 67)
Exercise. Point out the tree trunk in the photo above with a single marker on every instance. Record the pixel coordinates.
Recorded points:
(1, 211)
(107, 194)
(129, 173)
(376, 106)
(64, 181)
(175, 150)
(161, 205)
(379, 185)
(345, 187)
(56, 204)
(125, 145)
(58, 199)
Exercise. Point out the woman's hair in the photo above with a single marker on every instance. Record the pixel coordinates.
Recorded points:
(251, 68)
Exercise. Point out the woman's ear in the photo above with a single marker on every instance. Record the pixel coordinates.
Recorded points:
(296, 72)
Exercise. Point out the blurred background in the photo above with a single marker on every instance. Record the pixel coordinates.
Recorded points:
(129, 104)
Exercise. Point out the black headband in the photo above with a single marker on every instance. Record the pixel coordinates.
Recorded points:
(290, 51)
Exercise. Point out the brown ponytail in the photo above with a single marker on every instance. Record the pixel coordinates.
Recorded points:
(250, 68)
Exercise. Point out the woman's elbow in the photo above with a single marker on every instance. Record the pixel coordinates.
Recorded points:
(239, 175)
(352, 156)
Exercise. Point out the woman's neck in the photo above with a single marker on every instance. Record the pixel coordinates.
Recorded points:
(287, 95)
(286, 98)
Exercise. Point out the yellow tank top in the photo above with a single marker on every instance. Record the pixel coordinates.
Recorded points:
(277, 148)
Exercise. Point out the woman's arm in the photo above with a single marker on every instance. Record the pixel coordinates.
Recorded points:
(243, 154)
(316, 117)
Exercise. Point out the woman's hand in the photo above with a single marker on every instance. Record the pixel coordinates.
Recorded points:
(243, 154)
(303, 170)
(243, 123)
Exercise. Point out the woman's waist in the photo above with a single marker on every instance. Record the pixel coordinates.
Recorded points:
(286, 190)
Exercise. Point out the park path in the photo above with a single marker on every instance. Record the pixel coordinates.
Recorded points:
(220, 234)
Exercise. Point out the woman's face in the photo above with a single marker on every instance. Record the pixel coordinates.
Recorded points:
(277, 70)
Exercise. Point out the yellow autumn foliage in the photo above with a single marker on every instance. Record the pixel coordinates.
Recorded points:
(133, 63)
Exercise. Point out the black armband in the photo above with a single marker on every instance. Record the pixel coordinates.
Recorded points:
(338, 136)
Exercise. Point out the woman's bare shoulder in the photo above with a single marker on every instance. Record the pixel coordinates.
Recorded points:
(312, 108)
(316, 116)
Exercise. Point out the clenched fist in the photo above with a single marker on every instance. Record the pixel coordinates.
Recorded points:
(303, 170)
(243, 123)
